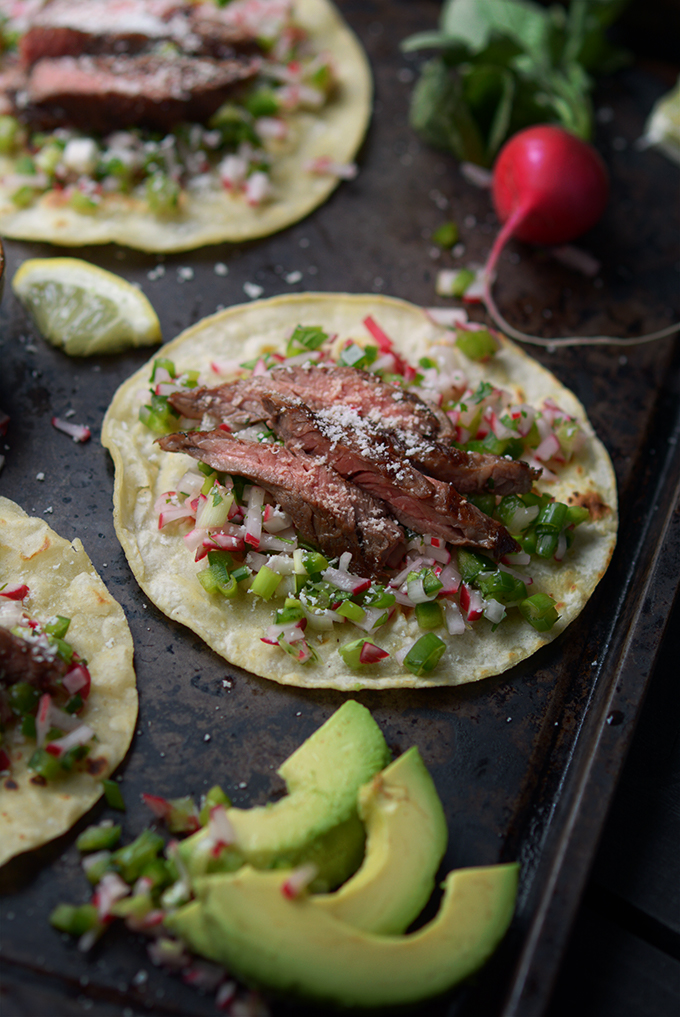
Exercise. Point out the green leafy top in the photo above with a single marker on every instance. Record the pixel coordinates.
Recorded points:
(507, 64)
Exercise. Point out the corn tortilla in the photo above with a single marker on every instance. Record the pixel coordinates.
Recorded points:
(233, 628)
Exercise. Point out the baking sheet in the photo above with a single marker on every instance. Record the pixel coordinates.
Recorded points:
(526, 762)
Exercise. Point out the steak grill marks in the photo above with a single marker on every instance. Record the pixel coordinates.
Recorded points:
(326, 510)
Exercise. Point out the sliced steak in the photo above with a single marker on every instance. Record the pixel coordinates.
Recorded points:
(469, 472)
(24, 661)
(108, 92)
(372, 460)
(326, 510)
(76, 27)
(243, 402)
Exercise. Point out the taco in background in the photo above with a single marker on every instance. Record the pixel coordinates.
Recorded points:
(167, 124)
(335, 491)
(68, 702)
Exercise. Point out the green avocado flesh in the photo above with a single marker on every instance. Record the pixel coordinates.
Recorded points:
(406, 838)
(317, 821)
(294, 947)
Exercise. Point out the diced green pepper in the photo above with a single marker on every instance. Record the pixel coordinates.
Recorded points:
(58, 626)
(471, 564)
(540, 611)
(74, 920)
(477, 345)
(44, 764)
(131, 859)
(429, 615)
(354, 612)
(215, 796)
(98, 838)
(446, 235)
(425, 654)
(23, 698)
(501, 586)
(113, 795)
(9, 131)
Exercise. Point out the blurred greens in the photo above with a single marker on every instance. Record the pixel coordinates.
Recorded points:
(506, 64)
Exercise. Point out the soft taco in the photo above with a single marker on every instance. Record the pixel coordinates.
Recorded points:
(68, 702)
(168, 124)
(336, 491)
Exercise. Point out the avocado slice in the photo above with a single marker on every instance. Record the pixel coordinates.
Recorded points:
(317, 821)
(406, 838)
(294, 947)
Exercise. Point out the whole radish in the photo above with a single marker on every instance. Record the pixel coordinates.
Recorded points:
(556, 181)
(548, 187)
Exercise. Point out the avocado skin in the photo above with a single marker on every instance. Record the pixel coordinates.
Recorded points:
(294, 948)
(317, 821)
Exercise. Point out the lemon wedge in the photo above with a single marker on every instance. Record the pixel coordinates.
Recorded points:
(84, 309)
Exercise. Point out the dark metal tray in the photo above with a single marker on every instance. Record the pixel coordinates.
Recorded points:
(526, 763)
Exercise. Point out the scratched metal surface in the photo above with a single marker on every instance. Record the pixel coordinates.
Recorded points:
(525, 762)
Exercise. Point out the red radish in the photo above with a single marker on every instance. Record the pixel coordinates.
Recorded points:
(548, 187)
(552, 184)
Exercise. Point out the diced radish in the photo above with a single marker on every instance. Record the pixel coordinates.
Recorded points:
(169, 953)
(493, 611)
(194, 538)
(448, 317)
(517, 558)
(372, 616)
(274, 519)
(345, 561)
(220, 829)
(226, 994)
(450, 577)
(292, 632)
(253, 519)
(42, 718)
(80, 736)
(79, 432)
(455, 623)
(325, 166)
(77, 679)
(346, 581)
(549, 447)
(109, 889)
(15, 591)
(298, 880)
(204, 976)
(160, 807)
(471, 602)
(371, 654)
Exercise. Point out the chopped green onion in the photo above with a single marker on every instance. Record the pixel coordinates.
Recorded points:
(486, 503)
(64, 649)
(23, 196)
(265, 583)
(546, 543)
(82, 203)
(351, 652)
(97, 868)
(354, 355)
(158, 871)
(162, 193)
(552, 517)
(98, 838)
(28, 728)
(291, 612)
(309, 337)
(425, 654)
(113, 795)
(457, 285)
(136, 906)
(314, 562)
(540, 611)
(262, 103)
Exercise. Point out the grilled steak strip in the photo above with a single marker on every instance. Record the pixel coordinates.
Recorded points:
(242, 402)
(101, 93)
(74, 27)
(326, 510)
(23, 661)
(372, 460)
